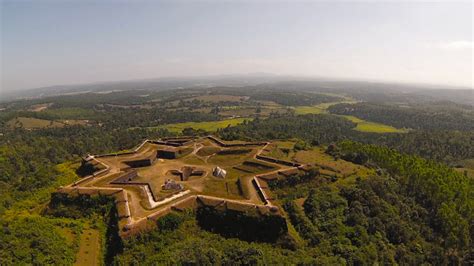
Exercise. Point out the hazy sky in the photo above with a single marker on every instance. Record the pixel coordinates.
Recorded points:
(64, 42)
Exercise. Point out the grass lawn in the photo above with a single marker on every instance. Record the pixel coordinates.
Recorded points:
(222, 188)
(366, 126)
(210, 126)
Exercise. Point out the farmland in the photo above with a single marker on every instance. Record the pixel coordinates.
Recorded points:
(35, 123)
(69, 113)
(362, 125)
(366, 126)
(319, 108)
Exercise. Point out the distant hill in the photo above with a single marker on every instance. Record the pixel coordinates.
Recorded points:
(362, 90)
(463, 96)
(146, 84)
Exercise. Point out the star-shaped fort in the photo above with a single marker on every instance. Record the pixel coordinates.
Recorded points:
(175, 174)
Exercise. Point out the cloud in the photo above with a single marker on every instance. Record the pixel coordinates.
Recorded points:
(456, 45)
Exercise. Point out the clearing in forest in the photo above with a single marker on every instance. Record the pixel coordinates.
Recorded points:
(32, 123)
(366, 126)
(210, 126)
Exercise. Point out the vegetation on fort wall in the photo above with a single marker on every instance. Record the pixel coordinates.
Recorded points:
(32, 123)
(190, 244)
(366, 126)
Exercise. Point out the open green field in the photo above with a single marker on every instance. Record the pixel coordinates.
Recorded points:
(366, 126)
(32, 123)
(303, 110)
(89, 248)
(70, 113)
(317, 109)
(362, 125)
(210, 126)
(35, 123)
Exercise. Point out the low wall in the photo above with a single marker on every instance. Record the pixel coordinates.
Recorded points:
(173, 144)
(278, 161)
(139, 163)
(223, 144)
